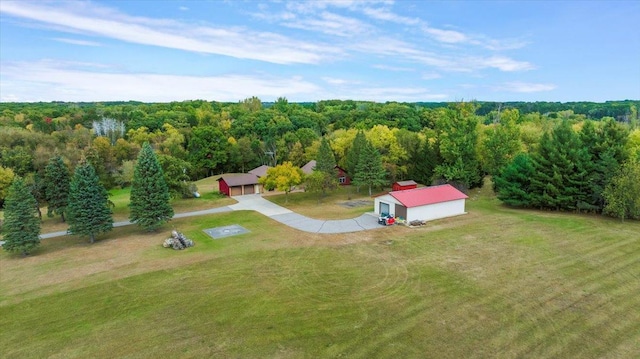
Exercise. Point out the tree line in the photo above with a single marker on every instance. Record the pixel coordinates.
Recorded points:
(458, 143)
(83, 202)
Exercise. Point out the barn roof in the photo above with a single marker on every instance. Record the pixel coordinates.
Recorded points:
(427, 195)
(407, 183)
(239, 180)
(260, 171)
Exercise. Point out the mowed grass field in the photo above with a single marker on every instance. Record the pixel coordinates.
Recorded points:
(495, 283)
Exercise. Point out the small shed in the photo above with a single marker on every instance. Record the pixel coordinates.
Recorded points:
(240, 184)
(260, 171)
(403, 185)
(422, 204)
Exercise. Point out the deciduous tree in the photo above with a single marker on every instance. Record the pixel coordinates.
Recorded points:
(283, 178)
(622, 194)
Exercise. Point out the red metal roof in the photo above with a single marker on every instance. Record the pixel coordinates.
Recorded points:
(427, 195)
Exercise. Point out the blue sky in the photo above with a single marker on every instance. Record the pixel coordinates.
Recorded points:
(172, 50)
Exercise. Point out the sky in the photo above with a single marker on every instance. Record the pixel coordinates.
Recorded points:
(306, 51)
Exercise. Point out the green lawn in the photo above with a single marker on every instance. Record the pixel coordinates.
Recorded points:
(495, 283)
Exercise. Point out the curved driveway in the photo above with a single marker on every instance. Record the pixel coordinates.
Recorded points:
(287, 217)
(255, 202)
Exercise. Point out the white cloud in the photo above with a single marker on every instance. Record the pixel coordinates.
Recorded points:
(77, 42)
(330, 24)
(183, 8)
(503, 63)
(336, 81)
(234, 42)
(53, 81)
(447, 36)
(525, 87)
(392, 68)
(387, 15)
(404, 94)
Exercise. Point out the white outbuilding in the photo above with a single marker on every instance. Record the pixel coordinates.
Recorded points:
(422, 204)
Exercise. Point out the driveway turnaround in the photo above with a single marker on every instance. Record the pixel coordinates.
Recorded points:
(255, 202)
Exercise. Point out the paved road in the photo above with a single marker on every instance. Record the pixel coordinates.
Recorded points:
(255, 202)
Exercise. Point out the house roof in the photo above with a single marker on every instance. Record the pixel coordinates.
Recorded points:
(407, 183)
(239, 180)
(260, 171)
(427, 195)
(308, 168)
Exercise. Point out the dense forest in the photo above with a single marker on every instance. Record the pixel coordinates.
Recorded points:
(579, 156)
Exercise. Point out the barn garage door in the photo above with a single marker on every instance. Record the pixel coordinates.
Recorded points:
(236, 191)
(384, 208)
(401, 211)
(249, 189)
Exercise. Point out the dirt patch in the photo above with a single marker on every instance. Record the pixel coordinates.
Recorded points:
(356, 203)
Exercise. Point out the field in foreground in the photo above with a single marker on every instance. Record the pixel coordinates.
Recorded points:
(494, 283)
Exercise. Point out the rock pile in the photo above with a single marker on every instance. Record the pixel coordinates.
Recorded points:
(177, 241)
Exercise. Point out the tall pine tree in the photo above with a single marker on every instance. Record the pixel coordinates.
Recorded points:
(353, 154)
(561, 177)
(326, 161)
(326, 165)
(513, 183)
(149, 203)
(369, 171)
(56, 187)
(88, 211)
(21, 228)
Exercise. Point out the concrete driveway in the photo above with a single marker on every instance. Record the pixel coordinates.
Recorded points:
(256, 203)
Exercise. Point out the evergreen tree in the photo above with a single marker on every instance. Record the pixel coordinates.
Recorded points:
(326, 161)
(21, 228)
(353, 154)
(56, 187)
(513, 183)
(426, 160)
(605, 146)
(88, 211)
(326, 165)
(149, 202)
(369, 170)
(561, 177)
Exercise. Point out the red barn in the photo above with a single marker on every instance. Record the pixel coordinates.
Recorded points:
(237, 185)
(402, 185)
